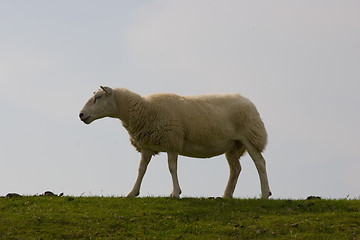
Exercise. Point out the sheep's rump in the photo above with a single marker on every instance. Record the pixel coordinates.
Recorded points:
(213, 121)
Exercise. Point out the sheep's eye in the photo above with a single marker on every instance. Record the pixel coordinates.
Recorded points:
(96, 98)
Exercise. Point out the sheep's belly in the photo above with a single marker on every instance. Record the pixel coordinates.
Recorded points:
(208, 150)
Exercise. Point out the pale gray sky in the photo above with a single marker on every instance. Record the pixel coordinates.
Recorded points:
(298, 61)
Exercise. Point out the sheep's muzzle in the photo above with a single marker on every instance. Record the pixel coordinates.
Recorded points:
(84, 118)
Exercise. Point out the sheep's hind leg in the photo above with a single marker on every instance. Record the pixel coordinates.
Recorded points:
(235, 169)
(145, 159)
(172, 161)
(261, 168)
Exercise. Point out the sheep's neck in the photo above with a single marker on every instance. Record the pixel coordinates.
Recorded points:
(122, 105)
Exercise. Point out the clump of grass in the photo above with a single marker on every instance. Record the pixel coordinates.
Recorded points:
(41, 217)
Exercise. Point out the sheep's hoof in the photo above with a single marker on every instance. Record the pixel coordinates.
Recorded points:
(227, 196)
(266, 196)
(133, 194)
(172, 195)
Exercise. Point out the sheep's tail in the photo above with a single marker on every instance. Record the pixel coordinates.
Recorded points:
(256, 132)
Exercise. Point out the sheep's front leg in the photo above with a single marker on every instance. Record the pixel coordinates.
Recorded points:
(145, 159)
(172, 160)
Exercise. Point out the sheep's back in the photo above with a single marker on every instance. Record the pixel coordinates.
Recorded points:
(206, 116)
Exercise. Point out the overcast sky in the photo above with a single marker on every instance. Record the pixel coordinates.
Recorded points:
(298, 61)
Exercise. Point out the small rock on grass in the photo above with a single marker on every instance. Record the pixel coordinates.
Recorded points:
(313, 197)
(12, 195)
(48, 193)
(51, 194)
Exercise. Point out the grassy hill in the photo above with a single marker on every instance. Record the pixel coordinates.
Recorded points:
(42, 217)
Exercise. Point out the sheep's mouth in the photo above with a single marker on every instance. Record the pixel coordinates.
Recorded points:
(86, 120)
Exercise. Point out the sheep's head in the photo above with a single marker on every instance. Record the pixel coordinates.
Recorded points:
(99, 106)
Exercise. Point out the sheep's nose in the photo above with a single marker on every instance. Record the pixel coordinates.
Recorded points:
(81, 115)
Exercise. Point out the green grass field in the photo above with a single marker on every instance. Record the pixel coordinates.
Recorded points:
(42, 217)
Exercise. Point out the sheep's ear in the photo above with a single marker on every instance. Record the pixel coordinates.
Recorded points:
(106, 89)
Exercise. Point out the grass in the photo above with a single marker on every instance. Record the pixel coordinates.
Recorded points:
(42, 217)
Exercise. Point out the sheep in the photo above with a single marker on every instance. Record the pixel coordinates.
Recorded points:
(200, 126)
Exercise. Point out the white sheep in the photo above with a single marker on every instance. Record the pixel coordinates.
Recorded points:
(198, 126)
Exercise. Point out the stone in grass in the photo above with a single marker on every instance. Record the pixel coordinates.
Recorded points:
(48, 193)
(313, 197)
(12, 195)
(51, 194)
